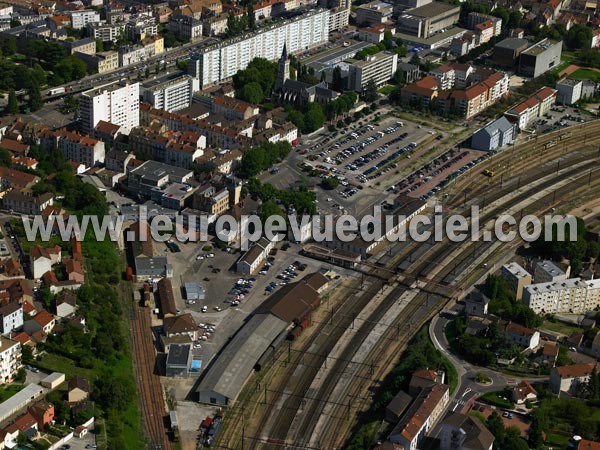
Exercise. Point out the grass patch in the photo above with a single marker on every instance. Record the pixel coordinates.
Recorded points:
(497, 398)
(10, 390)
(561, 327)
(56, 363)
(386, 90)
(586, 74)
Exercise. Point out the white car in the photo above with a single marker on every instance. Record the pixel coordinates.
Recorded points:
(210, 255)
(199, 257)
(204, 309)
(197, 345)
(218, 309)
(191, 302)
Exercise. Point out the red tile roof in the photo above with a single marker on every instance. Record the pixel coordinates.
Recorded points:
(575, 370)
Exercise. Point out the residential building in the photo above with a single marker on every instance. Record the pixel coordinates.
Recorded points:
(429, 19)
(523, 392)
(373, 13)
(567, 378)
(475, 18)
(397, 407)
(572, 295)
(132, 54)
(379, 68)
(172, 93)
(146, 265)
(41, 259)
(517, 278)
(101, 62)
(84, 46)
(66, 303)
(75, 147)
(179, 149)
(78, 389)
(185, 27)
(420, 417)
(476, 304)
(42, 321)
(496, 134)
(138, 28)
(118, 160)
(532, 108)
(519, 335)
(506, 52)
(540, 58)
(254, 257)
(424, 379)
(117, 104)
(548, 272)
(11, 317)
(584, 444)
(106, 32)
(233, 109)
(43, 413)
(80, 19)
(214, 25)
(179, 360)
(11, 178)
(20, 202)
(568, 91)
(10, 361)
(211, 200)
(183, 324)
(338, 18)
(301, 33)
(462, 432)
(166, 298)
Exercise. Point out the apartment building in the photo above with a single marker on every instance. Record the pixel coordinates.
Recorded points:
(420, 417)
(153, 175)
(139, 28)
(516, 277)
(532, 108)
(10, 359)
(82, 149)
(301, 33)
(567, 378)
(117, 104)
(338, 18)
(179, 149)
(106, 32)
(80, 19)
(573, 295)
(379, 68)
(214, 25)
(11, 317)
(171, 93)
(548, 272)
(568, 91)
(374, 13)
(101, 62)
(497, 134)
(475, 18)
(233, 109)
(185, 27)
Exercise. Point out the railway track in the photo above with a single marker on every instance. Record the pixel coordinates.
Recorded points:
(330, 433)
(275, 423)
(148, 384)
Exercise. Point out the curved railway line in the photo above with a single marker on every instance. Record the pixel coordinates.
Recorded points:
(296, 405)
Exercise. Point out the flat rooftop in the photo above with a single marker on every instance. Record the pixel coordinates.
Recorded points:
(540, 47)
(432, 9)
(154, 170)
(335, 55)
(512, 43)
(516, 270)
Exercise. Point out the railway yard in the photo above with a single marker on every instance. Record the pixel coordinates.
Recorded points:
(318, 385)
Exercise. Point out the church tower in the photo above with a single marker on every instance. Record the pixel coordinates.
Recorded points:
(283, 72)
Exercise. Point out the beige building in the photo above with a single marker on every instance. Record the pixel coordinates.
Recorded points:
(517, 278)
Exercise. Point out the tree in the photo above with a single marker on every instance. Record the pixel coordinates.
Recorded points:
(579, 36)
(330, 183)
(535, 434)
(252, 92)
(370, 91)
(13, 104)
(35, 97)
(514, 20)
(99, 45)
(336, 82)
(503, 14)
(297, 118)
(5, 159)
(268, 209)
(415, 59)
(314, 118)
(251, 15)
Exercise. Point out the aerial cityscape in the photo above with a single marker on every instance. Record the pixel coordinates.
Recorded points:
(300, 224)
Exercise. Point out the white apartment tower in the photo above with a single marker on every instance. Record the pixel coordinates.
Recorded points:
(117, 104)
(10, 359)
(221, 61)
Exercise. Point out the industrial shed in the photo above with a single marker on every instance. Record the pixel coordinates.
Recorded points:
(228, 374)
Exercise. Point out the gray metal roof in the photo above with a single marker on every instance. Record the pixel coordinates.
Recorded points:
(179, 355)
(230, 371)
(194, 291)
(502, 124)
(21, 399)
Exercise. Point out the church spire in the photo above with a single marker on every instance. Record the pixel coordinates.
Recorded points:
(283, 70)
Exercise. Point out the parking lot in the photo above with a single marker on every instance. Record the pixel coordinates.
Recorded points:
(229, 297)
(559, 117)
